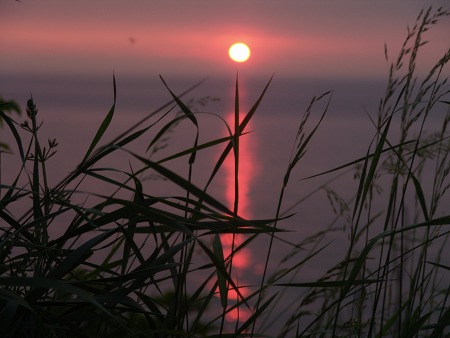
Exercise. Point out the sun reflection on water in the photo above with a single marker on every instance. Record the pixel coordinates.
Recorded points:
(242, 259)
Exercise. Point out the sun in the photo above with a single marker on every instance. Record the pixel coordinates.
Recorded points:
(239, 52)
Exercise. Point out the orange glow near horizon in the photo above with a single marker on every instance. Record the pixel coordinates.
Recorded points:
(80, 38)
(87, 49)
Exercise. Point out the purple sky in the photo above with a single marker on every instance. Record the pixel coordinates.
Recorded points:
(294, 38)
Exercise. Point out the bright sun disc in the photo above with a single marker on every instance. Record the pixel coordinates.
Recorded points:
(239, 52)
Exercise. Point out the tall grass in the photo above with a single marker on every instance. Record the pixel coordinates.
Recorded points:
(393, 280)
(80, 262)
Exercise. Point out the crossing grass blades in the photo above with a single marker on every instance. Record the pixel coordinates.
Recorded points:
(135, 264)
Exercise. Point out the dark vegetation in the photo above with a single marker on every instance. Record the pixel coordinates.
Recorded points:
(132, 264)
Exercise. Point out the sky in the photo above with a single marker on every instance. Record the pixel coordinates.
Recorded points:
(186, 38)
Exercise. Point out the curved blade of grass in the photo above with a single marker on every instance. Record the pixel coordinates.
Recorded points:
(118, 298)
(205, 301)
(420, 196)
(8, 197)
(49, 284)
(171, 221)
(343, 166)
(150, 303)
(443, 322)
(16, 135)
(12, 308)
(164, 129)
(130, 231)
(327, 284)
(103, 126)
(141, 273)
(222, 269)
(197, 148)
(301, 148)
(185, 109)
(16, 225)
(78, 256)
(11, 297)
(108, 149)
(242, 126)
(223, 290)
(183, 183)
(102, 152)
(156, 111)
(93, 173)
(390, 322)
(438, 265)
(255, 315)
(284, 272)
(182, 106)
(360, 261)
(163, 262)
(364, 189)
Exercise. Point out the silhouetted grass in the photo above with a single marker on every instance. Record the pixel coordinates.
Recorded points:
(135, 264)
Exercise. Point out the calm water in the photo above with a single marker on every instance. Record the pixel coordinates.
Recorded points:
(72, 108)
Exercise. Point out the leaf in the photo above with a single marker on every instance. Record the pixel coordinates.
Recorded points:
(189, 114)
(218, 251)
(328, 284)
(182, 106)
(420, 197)
(9, 106)
(48, 284)
(103, 126)
(359, 160)
(443, 322)
(242, 126)
(198, 147)
(364, 189)
(302, 146)
(256, 314)
(362, 258)
(78, 256)
(11, 126)
(224, 272)
(183, 183)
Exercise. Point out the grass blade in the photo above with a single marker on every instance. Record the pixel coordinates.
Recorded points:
(105, 124)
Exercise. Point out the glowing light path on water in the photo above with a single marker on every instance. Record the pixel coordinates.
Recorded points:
(242, 259)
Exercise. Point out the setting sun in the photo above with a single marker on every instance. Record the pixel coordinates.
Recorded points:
(239, 52)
